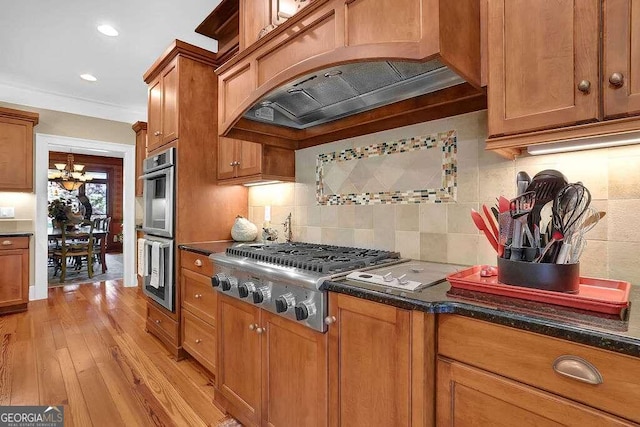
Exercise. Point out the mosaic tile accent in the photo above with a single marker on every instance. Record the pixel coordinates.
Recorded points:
(412, 170)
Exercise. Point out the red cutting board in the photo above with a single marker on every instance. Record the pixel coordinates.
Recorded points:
(601, 295)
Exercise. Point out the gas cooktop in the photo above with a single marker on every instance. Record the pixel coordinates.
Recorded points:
(315, 258)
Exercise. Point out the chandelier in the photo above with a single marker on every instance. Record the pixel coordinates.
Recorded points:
(71, 176)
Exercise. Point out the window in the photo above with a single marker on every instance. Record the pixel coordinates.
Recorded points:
(96, 191)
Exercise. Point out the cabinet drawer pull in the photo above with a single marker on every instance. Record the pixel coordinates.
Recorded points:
(329, 320)
(198, 263)
(198, 341)
(197, 296)
(578, 369)
(584, 86)
(7, 243)
(616, 79)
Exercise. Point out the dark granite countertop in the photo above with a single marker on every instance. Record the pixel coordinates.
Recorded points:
(604, 331)
(208, 248)
(16, 233)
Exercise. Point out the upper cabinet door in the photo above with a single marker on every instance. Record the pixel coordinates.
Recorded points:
(16, 155)
(543, 64)
(250, 162)
(255, 15)
(227, 157)
(155, 115)
(621, 79)
(170, 103)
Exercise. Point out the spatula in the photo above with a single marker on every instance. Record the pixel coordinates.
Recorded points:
(480, 224)
(546, 185)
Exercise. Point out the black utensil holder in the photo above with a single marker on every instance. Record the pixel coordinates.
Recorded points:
(545, 276)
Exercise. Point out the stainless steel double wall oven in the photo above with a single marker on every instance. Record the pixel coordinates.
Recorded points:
(159, 172)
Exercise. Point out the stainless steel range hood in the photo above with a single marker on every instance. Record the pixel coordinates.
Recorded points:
(341, 91)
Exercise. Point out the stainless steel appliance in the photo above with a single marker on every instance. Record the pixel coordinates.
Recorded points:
(158, 222)
(159, 193)
(159, 275)
(285, 278)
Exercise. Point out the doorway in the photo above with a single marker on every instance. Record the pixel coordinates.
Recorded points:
(44, 145)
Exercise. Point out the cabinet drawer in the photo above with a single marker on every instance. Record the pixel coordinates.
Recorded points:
(196, 262)
(198, 296)
(159, 321)
(14, 243)
(529, 358)
(199, 339)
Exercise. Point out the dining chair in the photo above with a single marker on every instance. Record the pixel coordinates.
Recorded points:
(75, 245)
(99, 245)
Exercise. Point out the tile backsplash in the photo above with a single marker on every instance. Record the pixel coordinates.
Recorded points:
(444, 232)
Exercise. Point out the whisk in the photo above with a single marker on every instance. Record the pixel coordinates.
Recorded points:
(569, 208)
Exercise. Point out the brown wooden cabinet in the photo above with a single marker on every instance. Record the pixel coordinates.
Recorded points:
(543, 68)
(14, 273)
(163, 107)
(199, 308)
(561, 70)
(470, 396)
(381, 364)
(621, 38)
(182, 109)
(271, 371)
(254, 16)
(140, 128)
(16, 149)
(522, 375)
(246, 162)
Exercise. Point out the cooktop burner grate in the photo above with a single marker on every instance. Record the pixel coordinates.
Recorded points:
(314, 257)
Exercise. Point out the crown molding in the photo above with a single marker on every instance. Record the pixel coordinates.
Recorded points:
(37, 98)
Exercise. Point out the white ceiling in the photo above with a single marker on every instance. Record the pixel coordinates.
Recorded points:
(45, 45)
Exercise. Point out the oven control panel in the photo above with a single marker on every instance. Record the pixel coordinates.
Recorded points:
(296, 303)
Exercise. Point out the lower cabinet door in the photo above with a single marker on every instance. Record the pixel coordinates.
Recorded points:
(239, 368)
(294, 380)
(468, 396)
(369, 363)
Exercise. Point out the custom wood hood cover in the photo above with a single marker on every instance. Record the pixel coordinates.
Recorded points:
(345, 68)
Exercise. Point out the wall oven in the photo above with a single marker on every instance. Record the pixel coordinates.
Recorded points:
(157, 270)
(158, 247)
(159, 193)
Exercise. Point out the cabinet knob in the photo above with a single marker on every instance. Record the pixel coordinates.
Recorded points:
(157, 321)
(577, 368)
(616, 79)
(198, 263)
(329, 320)
(259, 331)
(252, 327)
(7, 243)
(197, 296)
(198, 341)
(584, 86)
(157, 133)
(238, 163)
(232, 164)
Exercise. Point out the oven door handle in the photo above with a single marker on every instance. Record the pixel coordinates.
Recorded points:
(155, 174)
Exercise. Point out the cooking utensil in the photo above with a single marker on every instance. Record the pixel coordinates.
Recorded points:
(556, 237)
(503, 204)
(519, 207)
(569, 206)
(480, 224)
(546, 185)
(578, 240)
(491, 221)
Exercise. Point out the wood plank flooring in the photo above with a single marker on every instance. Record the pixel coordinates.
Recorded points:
(86, 348)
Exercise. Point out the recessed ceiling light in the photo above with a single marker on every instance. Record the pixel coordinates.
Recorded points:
(108, 30)
(88, 77)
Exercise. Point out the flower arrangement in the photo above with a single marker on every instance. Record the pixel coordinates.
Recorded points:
(58, 209)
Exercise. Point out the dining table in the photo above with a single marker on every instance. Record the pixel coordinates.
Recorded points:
(100, 235)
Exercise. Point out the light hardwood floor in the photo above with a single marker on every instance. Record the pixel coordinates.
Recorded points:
(86, 348)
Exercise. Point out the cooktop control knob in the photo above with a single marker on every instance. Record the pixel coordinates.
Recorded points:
(245, 288)
(303, 310)
(261, 295)
(229, 283)
(285, 301)
(219, 279)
